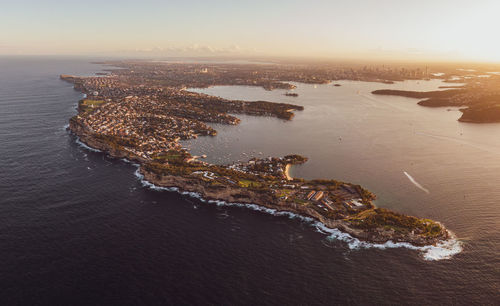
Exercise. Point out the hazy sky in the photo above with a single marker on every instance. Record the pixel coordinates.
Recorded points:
(441, 29)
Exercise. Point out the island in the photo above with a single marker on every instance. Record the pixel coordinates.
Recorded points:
(142, 116)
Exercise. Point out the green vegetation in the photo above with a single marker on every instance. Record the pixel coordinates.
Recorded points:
(389, 220)
(172, 156)
(117, 142)
(156, 124)
(295, 159)
(88, 105)
(172, 163)
(481, 102)
(90, 102)
(369, 218)
(283, 192)
(481, 113)
(330, 184)
(249, 183)
(300, 201)
(419, 94)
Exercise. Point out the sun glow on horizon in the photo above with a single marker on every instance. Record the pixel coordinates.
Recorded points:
(442, 30)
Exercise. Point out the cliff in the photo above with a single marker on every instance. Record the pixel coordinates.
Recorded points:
(144, 124)
(239, 195)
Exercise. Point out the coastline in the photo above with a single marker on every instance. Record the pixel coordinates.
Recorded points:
(477, 105)
(444, 249)
(264, 183)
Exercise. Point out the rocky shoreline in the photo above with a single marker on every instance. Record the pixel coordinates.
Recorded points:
(237, 195)
(136, 116)
(233, 195)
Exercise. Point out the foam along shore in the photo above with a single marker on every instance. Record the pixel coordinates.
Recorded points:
(445, 249)
(442, 250)
(335, 204)
(144, 123)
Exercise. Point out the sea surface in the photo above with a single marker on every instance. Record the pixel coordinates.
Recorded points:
(80, 228)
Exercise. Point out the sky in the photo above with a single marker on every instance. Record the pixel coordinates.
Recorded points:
(364, 29)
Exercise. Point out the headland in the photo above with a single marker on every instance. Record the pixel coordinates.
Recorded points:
(141, 112)
(478, 98)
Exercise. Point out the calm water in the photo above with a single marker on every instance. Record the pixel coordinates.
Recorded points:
(77, 227)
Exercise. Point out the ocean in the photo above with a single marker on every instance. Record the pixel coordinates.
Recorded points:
(80, 228)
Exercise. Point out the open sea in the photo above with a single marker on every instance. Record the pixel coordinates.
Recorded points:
(80, 228)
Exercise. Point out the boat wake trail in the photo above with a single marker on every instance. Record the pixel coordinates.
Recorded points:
(416, 183)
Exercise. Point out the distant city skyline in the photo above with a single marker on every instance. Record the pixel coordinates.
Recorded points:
(372, 30)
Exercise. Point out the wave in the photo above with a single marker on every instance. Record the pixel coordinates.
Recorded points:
(130, 162)
(81, 144)
(442, 250)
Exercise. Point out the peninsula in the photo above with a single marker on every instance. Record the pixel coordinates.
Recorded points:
(478, 98)
(141, 111)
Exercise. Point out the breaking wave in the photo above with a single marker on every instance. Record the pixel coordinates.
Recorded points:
(81, 144)
(442, 250)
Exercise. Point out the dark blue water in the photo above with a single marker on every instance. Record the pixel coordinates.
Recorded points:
(79, 228)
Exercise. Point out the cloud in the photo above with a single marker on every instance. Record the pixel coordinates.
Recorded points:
(189, 50)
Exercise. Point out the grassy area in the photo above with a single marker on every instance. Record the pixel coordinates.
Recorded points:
(88, 105)
(172, 156)
(283, 192)
(172, 163)
(89, 102)
(249, 183)
(379, 217)
(117, 142)
(300, 201)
